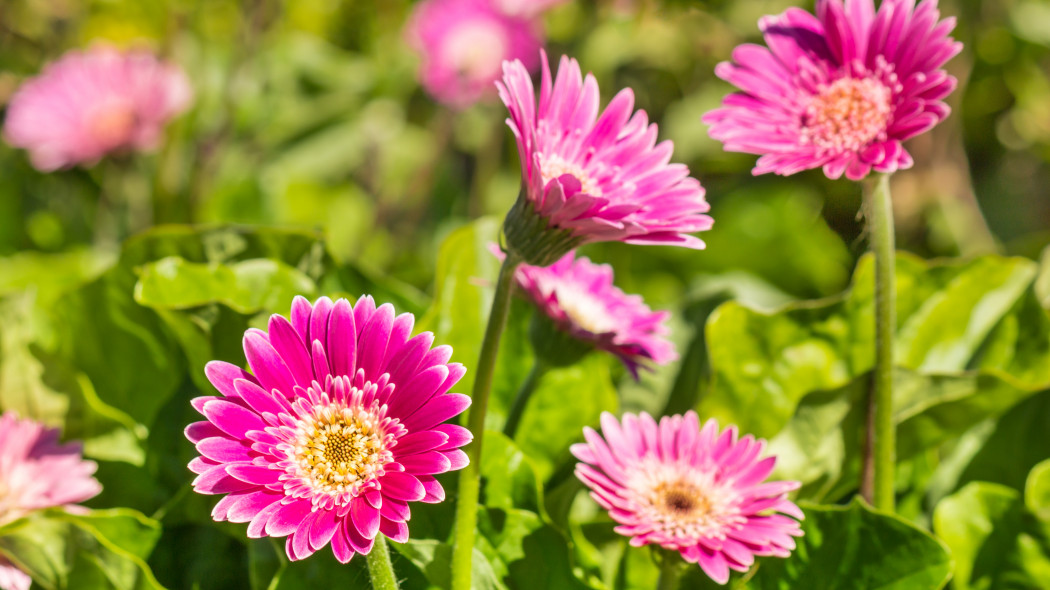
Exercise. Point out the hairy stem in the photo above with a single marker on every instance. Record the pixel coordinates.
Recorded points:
(470, 477)
(380, 569)
(879, 210)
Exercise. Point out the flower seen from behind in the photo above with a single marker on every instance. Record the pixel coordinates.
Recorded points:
(690, 489)
(591, 176)
(339, 426)
(94, 102)
(579, 298)
(841, 89)
(463, 44)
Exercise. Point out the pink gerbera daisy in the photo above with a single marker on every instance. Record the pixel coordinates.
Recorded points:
(464, 42)
(90, 103)
(588, 177)
(689, 489)
(840, 90)
(37, 472)
(579, 297)
(338, 427)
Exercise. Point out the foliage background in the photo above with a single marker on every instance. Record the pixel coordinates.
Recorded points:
(313, 163)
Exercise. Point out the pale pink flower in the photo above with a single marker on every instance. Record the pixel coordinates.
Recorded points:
(12, 578)
(337, 429)
(93, 102)
(591, 176)
(580, 298)
(37, 471)
(689, 489)
(463, 44)
(840, 90)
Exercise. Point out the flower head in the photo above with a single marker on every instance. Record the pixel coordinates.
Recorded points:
(338, 427)
(37, 472)
(590, 177)
(12, 578)
(689, 489)
(94, 102)
(579, 298)
(463, 44)
(840, 90)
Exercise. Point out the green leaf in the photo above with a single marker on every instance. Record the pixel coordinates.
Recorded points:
(510, 476)
(98, 549)
(1037, 491)
(433, 559)
(857, 547)
(246, 287)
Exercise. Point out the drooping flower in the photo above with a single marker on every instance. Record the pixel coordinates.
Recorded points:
(37, 471)
(94, 102)
(12, 578)
(689, 489)
(588, 177)
(463, 44)
(840, 90)
(338, 427)
(579, 298)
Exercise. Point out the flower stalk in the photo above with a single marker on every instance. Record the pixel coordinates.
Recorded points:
(380, 569)
(470, 478)
(879, 211)
(521, 400)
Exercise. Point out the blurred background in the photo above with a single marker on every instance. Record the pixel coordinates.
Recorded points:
(308, 116)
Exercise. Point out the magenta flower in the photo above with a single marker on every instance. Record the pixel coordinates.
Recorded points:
(338, 427)
(840, 90)
(690, 490)
(591, 177)
(579, 297)
(37, 471)
(463, 44)
(94, 102)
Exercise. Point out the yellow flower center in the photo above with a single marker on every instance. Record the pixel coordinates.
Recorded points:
(339, 448)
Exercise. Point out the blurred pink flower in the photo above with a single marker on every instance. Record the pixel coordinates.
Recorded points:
(463, 44)
(37, 471)
(840, 90)
(12, 578)
(338, 427)
(689, 489)
(94, 102)
(580, 298)
(592, 178)
(527, 8)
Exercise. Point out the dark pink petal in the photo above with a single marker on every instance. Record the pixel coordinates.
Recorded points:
(223, 450)
(457, 435)
(340, 546)
(255, 474)
(365, 518)
(396, 531)
(249, 505)
(201, 430)
(342, 339)
(435, 493)
(436, 411)
(418, 442)
(267, 365)
(287, 518)
(222, 375)
(323, 529)
(426, 463)
(290, 347)
(402, 486)
(231, 418)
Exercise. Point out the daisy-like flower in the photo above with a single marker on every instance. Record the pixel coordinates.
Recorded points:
(94, 102)
(689, 489)
(37, 472)
(463, 44)
(338, 427)
(578, 297)
(590, 177)
(840, 90)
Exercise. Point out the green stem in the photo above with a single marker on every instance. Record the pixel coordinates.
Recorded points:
(670, 569)
(522, 398)
(470, 476)
(379, 567)
(880, 223)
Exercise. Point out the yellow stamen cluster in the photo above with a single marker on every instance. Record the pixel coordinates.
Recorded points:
(339, 448)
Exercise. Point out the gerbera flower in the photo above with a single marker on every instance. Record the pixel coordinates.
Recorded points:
(579, 298)
(90, 103)
(840, 90)
(37, 471)
(588, 177)
(338, 427)
(462, 44)
(689, 489)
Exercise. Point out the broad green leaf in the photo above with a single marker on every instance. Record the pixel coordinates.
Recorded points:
(763, 364)
(98, 549)
(433, 558)
(857, 547)
(510, 476)
(1037, 491)
(986, 528)
(48, 275)
(1020, 435)
(246, 287)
